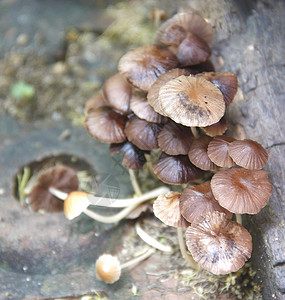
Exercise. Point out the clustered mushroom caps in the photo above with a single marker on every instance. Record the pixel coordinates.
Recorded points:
(171, 94)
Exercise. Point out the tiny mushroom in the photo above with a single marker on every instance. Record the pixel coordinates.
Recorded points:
(145, 64)
(241, 191)
(96, 101)
(60, 177)
(216, 129)
(248, 154)
(218, 244)
(198, 200)
(192, 101)
(218, 151)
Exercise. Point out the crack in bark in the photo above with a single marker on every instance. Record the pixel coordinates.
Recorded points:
(275, 145)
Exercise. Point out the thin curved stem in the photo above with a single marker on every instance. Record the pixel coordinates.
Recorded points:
(150, 240)
(132, 263)
(183, 250)
(195, 132)
(134, 182)
(238, 218)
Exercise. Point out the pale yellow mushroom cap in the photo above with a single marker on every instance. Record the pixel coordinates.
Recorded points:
(75, 203)
(108, 268)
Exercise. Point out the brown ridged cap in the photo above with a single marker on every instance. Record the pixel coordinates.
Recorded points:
(59, 177)
(192, 101)
(241, 191)
(218, 151)
(175, 139)
(166, 209)
(198, 154)
(192, 50)
(189, 22)
(176, 169)
(216, 129)
(144, 65)
(118, 92)
(142, 133)
(153, 93)
(133, 157)
(198, 200)
(218, 244)
(141, 108)
(96, 101)
(106, 125)
(226, 82)
(248, 154)
(108, 268)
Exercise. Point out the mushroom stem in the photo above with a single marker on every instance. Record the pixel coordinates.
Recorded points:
(132, 263)
(109, 202)
(134, 182)
(194, 132)
(183, 250)
(238, 218)
(150, 240)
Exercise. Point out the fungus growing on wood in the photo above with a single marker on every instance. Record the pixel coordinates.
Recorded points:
(218, 151)
(218, 244)
(248, 154)
(241, 191)
(198, 200)
(145, 64)
(175, 139)
(198, 153)
(60, 177)
(192, 101)
(106, 125)
(118, 92)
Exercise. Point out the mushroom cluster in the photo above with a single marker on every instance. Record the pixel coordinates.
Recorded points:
(167, 96)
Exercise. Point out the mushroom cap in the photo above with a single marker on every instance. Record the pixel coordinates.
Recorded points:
(173, 35)
(166, 208)
(153, 93)
(226, 82)
(133, 157)
(141, 108)
(218, 151)
(175, 139)
(190, 22)
(248, 154)
(241, 191)
(96, 101)
(106, 125)
(192, 50)
(216, 129)
(118, 92)
(145, 64)
(218, 244)
(192, 101)
(142, 133)
(108, 268)
(176, 169)
(198, 200)
(75, 204)
(198, 154)
(59, 177)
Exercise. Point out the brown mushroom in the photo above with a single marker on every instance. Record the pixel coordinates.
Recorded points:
(241, 191)
(218, 244)
(106, 125)
(166, 208)
(225, 81)
(192, 101)
(118, 92)
(96, 101)
(60, 177)
(142, 133)
(144, 65)
(248, 154)
(218, 151)
(133, 157)
(176, 169)
(153, 93)
(175, 139)
(216, 129)
(198, 200)
(198, 153)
